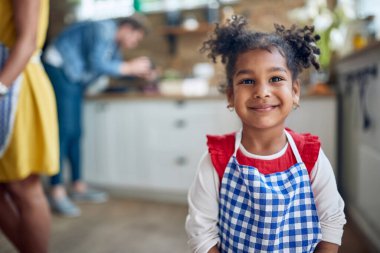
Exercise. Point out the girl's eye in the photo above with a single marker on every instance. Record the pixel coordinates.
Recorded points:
(276, 79)
(246, 81)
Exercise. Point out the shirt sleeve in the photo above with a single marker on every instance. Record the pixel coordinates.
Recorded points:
(104, 58)
(203, 198)
(329, 203)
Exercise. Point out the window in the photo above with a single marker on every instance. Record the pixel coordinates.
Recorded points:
(168, 5)
(103, 9)
(370, 7)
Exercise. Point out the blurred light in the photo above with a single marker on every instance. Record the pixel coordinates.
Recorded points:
(95, 10)
(323, 21)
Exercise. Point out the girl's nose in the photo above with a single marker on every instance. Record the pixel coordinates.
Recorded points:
(261, 90)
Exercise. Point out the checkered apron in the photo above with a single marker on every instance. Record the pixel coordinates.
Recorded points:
(267, 213)
(8, 105)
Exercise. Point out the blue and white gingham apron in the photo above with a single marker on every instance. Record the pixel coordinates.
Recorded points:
(267, 213)
(8, 105)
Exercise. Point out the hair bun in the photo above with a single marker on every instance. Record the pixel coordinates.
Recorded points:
(303, 41)
(225, 38)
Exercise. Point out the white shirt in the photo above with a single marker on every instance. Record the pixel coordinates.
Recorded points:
(203, 199)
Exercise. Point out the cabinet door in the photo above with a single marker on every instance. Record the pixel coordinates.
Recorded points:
(109, 139)
(175, 138)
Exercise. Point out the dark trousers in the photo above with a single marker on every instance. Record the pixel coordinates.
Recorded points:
(69, 98)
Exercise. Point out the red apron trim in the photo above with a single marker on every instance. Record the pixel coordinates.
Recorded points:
(221, 148)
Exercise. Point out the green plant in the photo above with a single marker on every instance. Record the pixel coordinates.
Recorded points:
(330, 24)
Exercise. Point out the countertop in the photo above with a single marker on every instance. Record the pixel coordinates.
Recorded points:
(367, 50)
(142, 96)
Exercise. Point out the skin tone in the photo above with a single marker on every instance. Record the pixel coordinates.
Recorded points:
(214, 250)
(263, 95)
(26, 18)
(23, 206)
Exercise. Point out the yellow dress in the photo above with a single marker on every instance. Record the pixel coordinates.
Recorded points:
(33, 146)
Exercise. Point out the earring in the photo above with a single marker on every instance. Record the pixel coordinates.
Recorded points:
(296, 106)
(230, 108)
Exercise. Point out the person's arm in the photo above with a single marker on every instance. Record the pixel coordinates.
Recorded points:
(203, 199)
(26, 14)
(105, 57)
(329, 203)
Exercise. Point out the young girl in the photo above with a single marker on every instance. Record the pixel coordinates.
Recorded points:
(264, 188)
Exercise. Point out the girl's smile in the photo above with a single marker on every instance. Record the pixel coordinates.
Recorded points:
(262, 107)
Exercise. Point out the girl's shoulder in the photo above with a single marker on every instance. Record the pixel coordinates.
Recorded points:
(221, 148)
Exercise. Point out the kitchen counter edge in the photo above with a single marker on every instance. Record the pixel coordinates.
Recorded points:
(127, 96)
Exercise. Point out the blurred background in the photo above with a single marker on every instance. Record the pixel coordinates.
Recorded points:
(143, 139)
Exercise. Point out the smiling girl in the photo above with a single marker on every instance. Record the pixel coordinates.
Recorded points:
(264, 188)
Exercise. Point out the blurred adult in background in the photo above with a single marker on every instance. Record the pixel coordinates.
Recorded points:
(78, 56)
(28, 125)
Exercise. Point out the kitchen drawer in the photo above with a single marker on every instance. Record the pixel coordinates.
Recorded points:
(171, 170)
(185, 124)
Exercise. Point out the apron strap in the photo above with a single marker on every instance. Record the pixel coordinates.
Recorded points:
(294, 147)
(237, 141)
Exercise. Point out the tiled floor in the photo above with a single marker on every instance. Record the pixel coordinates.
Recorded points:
(119, 226)
(136, 226)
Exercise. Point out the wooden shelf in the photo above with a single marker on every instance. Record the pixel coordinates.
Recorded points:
(172, 32)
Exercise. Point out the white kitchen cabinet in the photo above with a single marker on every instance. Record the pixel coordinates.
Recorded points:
(150, 144)
(109, 149)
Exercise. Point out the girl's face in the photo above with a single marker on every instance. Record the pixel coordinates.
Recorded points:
(263, 92)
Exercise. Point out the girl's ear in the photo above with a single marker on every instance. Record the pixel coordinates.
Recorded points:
(296, 88)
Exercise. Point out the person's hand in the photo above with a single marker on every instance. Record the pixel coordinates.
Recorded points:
(139, 67)
(151, 76)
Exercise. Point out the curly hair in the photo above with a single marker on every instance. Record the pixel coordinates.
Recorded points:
(296, 45)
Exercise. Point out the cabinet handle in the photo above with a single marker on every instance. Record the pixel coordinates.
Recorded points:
(101, 107)
(181, 160)
(180, 103)
(181, 123)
